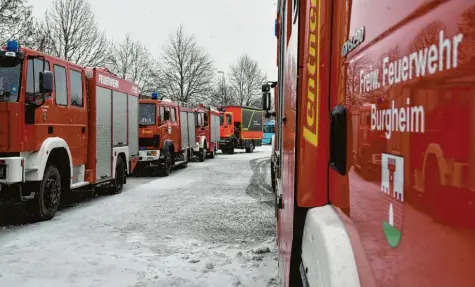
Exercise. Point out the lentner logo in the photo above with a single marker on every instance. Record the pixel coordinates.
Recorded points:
(392, 188)
(312, 101)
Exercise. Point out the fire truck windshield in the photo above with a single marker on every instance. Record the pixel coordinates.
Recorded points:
(221, 119)
(10, 71)
(147, 114)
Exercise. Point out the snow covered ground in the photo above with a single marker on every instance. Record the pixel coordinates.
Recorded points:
(210, 224)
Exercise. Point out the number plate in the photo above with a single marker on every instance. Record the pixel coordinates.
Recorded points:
(3, 171)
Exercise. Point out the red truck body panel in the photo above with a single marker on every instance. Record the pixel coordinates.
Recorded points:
(407, 82)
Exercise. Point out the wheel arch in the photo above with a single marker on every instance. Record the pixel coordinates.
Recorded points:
(124, 153)
(52, 149)
(168, 146)
(435, 150)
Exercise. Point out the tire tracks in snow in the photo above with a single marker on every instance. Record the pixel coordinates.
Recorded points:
(259, 185)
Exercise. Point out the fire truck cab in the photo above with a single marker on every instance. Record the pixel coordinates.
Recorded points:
(166, 134)
(53, 138)
(207, 131)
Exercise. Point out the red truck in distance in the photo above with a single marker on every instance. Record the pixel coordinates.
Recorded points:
(241, 127)
(63, 127)
(207, 131)
(166, 134)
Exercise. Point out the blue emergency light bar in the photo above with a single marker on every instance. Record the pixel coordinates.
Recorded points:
(12, 46)
(154, 96)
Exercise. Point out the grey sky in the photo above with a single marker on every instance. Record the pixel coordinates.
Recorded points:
(225, 28)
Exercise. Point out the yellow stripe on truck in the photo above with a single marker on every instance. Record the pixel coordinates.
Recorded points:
(312, 101)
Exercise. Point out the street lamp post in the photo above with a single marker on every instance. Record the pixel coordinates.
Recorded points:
(222, 87)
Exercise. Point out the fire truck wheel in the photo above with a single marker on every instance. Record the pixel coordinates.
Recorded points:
(168, 165)
(212, 154)
(250, 148)
(48, 194)
(433, 190)
(202, 155)
(118, 181)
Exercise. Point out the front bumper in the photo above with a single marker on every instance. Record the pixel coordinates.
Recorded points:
(12, 170)
(224, 141)
(149, 155)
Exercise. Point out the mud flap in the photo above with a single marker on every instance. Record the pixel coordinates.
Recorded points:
(303, 275)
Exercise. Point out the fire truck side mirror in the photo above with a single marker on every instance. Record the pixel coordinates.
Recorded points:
(46, 82)
(338, 139)
(266, 100)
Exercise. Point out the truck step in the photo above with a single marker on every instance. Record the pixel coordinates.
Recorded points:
(179, 162)
(79, 184)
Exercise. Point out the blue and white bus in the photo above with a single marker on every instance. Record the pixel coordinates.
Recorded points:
(268, 132)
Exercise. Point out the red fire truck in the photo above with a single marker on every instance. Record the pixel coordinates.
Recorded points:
(207, 131)
(408, 65)
(166, 134)
(367, 145)
(241, 127)
(53, 138)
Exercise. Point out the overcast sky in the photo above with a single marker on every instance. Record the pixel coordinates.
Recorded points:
(225, 28)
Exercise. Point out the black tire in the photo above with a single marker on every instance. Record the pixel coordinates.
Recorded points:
(168, 165)
(213, 153)
(48, 195)
(202, 154)
(185, 158)
(118, 182)
(250, 148)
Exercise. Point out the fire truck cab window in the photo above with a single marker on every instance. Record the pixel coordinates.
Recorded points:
(229, 119)
(60, 85)
(35, 66)
(76, 88)
(205, 119)
(161, 114)
(166, 116)
(10, 73)
(172, 115)
(221, 119)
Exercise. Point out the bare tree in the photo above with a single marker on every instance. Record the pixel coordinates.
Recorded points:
(246, 79)
(187, 70)
(16, 21)
(222, 94)
(131, 60)
(466, 26)
(74, 34)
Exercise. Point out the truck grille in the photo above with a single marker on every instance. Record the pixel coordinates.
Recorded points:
(146, 142)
